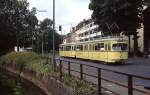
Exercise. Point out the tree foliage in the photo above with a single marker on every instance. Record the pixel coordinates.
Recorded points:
(146, 24)
(45, 35)
(122, 15)
(29, 28)
(13, 13)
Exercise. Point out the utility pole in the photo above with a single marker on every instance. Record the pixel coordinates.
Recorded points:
(42, 44)
(54, 32)
(17, 29)
(42, 34)
(32, 42)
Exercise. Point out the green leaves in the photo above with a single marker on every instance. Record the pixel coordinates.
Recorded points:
(125, 14)
(45, 35)
(21, 63)
(10, 12)
(41, 68)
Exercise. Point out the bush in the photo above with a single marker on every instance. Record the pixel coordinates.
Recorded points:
(39, 64)
(21, 63)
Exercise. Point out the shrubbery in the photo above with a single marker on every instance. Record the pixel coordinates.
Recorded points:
(28, 60)
(39, 64)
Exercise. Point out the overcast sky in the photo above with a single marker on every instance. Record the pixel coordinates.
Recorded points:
(68, 12)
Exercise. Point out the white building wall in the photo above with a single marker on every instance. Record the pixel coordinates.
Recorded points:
(140, 41)
(87, 28)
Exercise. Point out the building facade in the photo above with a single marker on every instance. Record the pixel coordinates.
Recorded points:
(84, 31)
(88, 32)
(140, 40)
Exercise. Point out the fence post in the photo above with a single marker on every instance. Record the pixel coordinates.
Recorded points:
(99, 81)
(130, 85)
(69, 68)
(81, 71)
(60, 69)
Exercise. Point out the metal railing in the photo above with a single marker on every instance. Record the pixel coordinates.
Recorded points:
(129, 86)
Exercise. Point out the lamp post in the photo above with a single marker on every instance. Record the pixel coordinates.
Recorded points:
(53, 61)
(42, 33)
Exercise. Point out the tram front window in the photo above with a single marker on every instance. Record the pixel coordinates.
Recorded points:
(119, 47)
(60, 48)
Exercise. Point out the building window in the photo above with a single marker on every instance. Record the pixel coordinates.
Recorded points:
(91, 25)
(82, 35)
(86, 39)
(91, 32)
(86, 33)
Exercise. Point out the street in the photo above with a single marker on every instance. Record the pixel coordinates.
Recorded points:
(134, 66)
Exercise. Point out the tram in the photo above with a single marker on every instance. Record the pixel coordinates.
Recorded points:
(108, 50)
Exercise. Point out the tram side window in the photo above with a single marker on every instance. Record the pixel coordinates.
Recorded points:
(68, 48)
(119, 47)
(79, 48)
(91, 47)
(105, 46)
(102, 47)
(74, 48)
(99, 47)
(86, 48)
(63, 48)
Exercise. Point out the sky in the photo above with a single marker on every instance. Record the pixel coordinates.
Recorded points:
(68, 12)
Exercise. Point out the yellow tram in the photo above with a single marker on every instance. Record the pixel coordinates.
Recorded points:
(108, 50)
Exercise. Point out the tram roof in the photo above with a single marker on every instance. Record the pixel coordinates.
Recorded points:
(97, 40)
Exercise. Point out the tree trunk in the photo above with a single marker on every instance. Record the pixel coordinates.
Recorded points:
(146, 31)
(135, 43)
(146, 40)
(129, 42)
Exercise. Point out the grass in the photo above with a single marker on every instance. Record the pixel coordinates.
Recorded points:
(40, 65)
(80, 87)
(29, 60)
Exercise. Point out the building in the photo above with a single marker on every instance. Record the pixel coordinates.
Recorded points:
(86, 30)
(140, 41)
(67, 38)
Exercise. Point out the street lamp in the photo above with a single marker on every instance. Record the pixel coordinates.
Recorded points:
(41, 34)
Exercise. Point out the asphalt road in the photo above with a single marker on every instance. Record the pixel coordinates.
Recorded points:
(134, 66)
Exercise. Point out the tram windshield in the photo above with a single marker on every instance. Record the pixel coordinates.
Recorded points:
(119, 47)
(60, 48)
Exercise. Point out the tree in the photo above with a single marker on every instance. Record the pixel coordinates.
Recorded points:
(45, 36)
(29, 28)
(146, 30)
(125, 14)
(12, 14)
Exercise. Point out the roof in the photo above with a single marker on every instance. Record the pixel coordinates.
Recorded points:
(100, 39)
